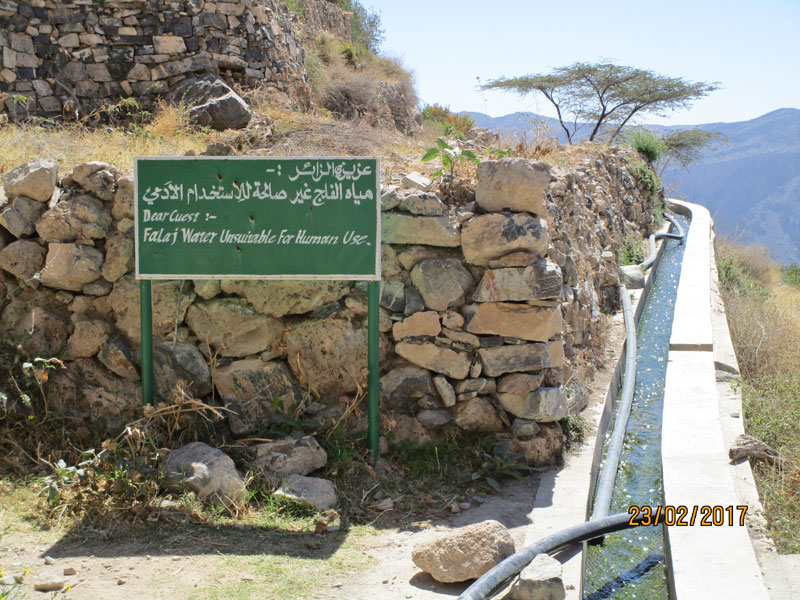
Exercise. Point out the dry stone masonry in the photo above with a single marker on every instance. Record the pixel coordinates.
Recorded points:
(56, 57)
(488, 309)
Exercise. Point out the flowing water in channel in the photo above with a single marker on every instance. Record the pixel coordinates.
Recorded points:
(629, 564)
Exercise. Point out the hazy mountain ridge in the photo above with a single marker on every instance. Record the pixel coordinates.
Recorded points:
(751, 184)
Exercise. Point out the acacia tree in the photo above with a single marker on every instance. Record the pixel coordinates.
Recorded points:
(605, 95)
(685, 146)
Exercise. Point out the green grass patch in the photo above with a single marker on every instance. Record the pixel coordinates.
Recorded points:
(772, 415)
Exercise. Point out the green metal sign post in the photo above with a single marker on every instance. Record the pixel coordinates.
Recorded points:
(259, 218)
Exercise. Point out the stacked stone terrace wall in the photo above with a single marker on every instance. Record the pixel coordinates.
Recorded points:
(54, 55)
(488, 309)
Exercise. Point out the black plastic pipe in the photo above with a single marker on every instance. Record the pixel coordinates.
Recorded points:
(493, 579)
(655, 236)
(675, 236)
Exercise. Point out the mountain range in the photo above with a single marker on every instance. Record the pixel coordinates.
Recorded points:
(751, 183)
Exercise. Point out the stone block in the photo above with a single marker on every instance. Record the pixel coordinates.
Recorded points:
(532, 323)
(513, 184)
(428, 231)
(491, 236)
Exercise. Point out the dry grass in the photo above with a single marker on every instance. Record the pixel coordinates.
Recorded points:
(72, 145)
(763, 313)
(764, 318)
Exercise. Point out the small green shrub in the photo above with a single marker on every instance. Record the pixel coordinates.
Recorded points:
(650, 146)
(646, 177)
(574, 428)
(734, 278)
(632, 251)
(791, 274)
(447, 123)
(295, 7)
(450, 156)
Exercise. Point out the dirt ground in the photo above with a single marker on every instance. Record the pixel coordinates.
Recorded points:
(395, 576)
(177, 560)
(190, 561)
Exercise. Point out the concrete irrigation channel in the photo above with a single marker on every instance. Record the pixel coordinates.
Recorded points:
(673, 467)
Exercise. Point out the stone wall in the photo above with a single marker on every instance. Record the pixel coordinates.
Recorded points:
(58, 56)
(487, 309)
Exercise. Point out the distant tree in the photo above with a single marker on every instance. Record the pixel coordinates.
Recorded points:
(605, 95)
(686, 146)
(365, 25)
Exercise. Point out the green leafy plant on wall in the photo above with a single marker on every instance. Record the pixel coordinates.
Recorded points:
(450, 156)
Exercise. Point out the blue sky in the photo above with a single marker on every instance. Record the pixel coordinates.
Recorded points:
(751, 48)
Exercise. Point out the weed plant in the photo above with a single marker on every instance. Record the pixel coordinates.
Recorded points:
(447, 123)
(649, 146)
(632, 250)
(647, 178)
(763, 312)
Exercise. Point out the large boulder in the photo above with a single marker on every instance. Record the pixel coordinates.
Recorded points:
(313, 492)
(119, 257)
(71, 266)
(118, 358)
(79, 218)
(111, 401)
(421, 203)
(539, 281)
(279, 298)
(173, 362)
(544, 405)
(435, 358)
(464, 554)
(19, 218)
(419, 324)
(525, 357)
(488, 237)
(632, 276)
(212, 103)
(124, 302)
(328, 355)
(233, 327)
(205, 470)
(404, 386)
(97, 178)
(249, 387)
(540, 580)
(543, 449)
(88, 337)
(39, 324)
(521, 321)
(36, 180)
(442, 282)
(289, 456)
(478, 414)
(23, 259)
(428, 231)
(512, 184)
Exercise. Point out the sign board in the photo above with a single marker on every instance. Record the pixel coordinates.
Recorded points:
(265, 218)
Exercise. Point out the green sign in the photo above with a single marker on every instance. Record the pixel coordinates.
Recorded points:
(266, 218)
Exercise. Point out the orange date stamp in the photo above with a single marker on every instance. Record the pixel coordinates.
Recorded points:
(686, 516)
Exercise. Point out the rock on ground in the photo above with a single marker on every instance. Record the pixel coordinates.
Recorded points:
(311, 491)
(36, 179)
(290, 456)
(205, 470)
(632, 276)
(465, 554)
(212, 103)
(540, 580)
